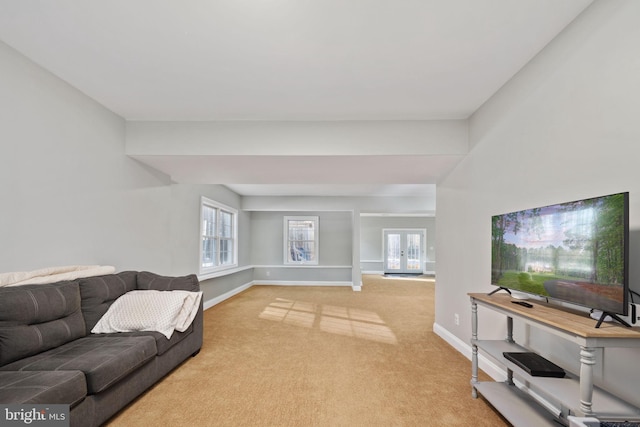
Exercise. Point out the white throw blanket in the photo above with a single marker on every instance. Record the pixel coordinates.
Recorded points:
(150, 310)
(54, 274)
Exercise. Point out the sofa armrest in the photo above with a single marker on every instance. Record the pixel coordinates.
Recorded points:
(152, 281)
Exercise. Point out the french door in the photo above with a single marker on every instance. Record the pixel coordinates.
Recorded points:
(403, 251)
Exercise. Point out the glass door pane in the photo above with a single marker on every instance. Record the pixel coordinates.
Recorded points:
(414, 253)
(392, 257)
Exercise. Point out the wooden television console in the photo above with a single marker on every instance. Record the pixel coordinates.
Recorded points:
(575, 394)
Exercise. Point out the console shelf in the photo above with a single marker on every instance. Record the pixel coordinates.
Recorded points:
(516, 406)
(573, 395)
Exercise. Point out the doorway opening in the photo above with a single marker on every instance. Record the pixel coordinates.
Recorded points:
(404, 251)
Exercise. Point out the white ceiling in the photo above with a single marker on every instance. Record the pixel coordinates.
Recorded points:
(286, 60)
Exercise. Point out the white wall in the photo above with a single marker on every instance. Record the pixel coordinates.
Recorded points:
(372, 240)
(566, 127)
(335, 249)
(68, 193)
(354, 206)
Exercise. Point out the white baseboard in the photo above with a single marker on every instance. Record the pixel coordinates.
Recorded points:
(487, 365)
(299, 283)
(217, 300)
(309, 283)
(428, 273)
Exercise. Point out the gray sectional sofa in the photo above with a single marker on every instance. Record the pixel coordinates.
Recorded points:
(49, 356)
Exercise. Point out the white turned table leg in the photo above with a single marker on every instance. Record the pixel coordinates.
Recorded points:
(587, 360)
(474, 348)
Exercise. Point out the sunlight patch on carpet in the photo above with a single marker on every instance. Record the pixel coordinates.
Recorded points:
(345, 321)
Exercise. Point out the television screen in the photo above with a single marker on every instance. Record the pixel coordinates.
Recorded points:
(575, 252)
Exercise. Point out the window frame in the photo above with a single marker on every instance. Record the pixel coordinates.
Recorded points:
(206, 203)
(316, 241)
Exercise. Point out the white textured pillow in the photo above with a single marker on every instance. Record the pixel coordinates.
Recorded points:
(189, 310)
(149, 310)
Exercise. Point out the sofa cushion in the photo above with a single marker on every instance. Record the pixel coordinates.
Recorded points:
(36, 318)
(153, 281)
(43, 387)
(98, 293)
(103, 361)
(162, 343)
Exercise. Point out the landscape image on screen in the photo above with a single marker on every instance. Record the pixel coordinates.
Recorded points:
(572, 251)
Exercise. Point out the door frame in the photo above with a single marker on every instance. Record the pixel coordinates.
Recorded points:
(423, 248)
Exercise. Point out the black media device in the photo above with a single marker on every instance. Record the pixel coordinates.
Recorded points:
(523, 303)
(575, 252)
(534, 364)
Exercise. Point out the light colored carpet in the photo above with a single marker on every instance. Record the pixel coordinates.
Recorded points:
(319, 356)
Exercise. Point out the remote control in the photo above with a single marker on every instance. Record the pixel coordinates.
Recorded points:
(523, 303)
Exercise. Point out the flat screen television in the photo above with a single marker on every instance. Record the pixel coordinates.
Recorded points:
(576, 252)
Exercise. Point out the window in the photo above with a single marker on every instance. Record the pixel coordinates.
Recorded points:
(301, 240)
(219, 233)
